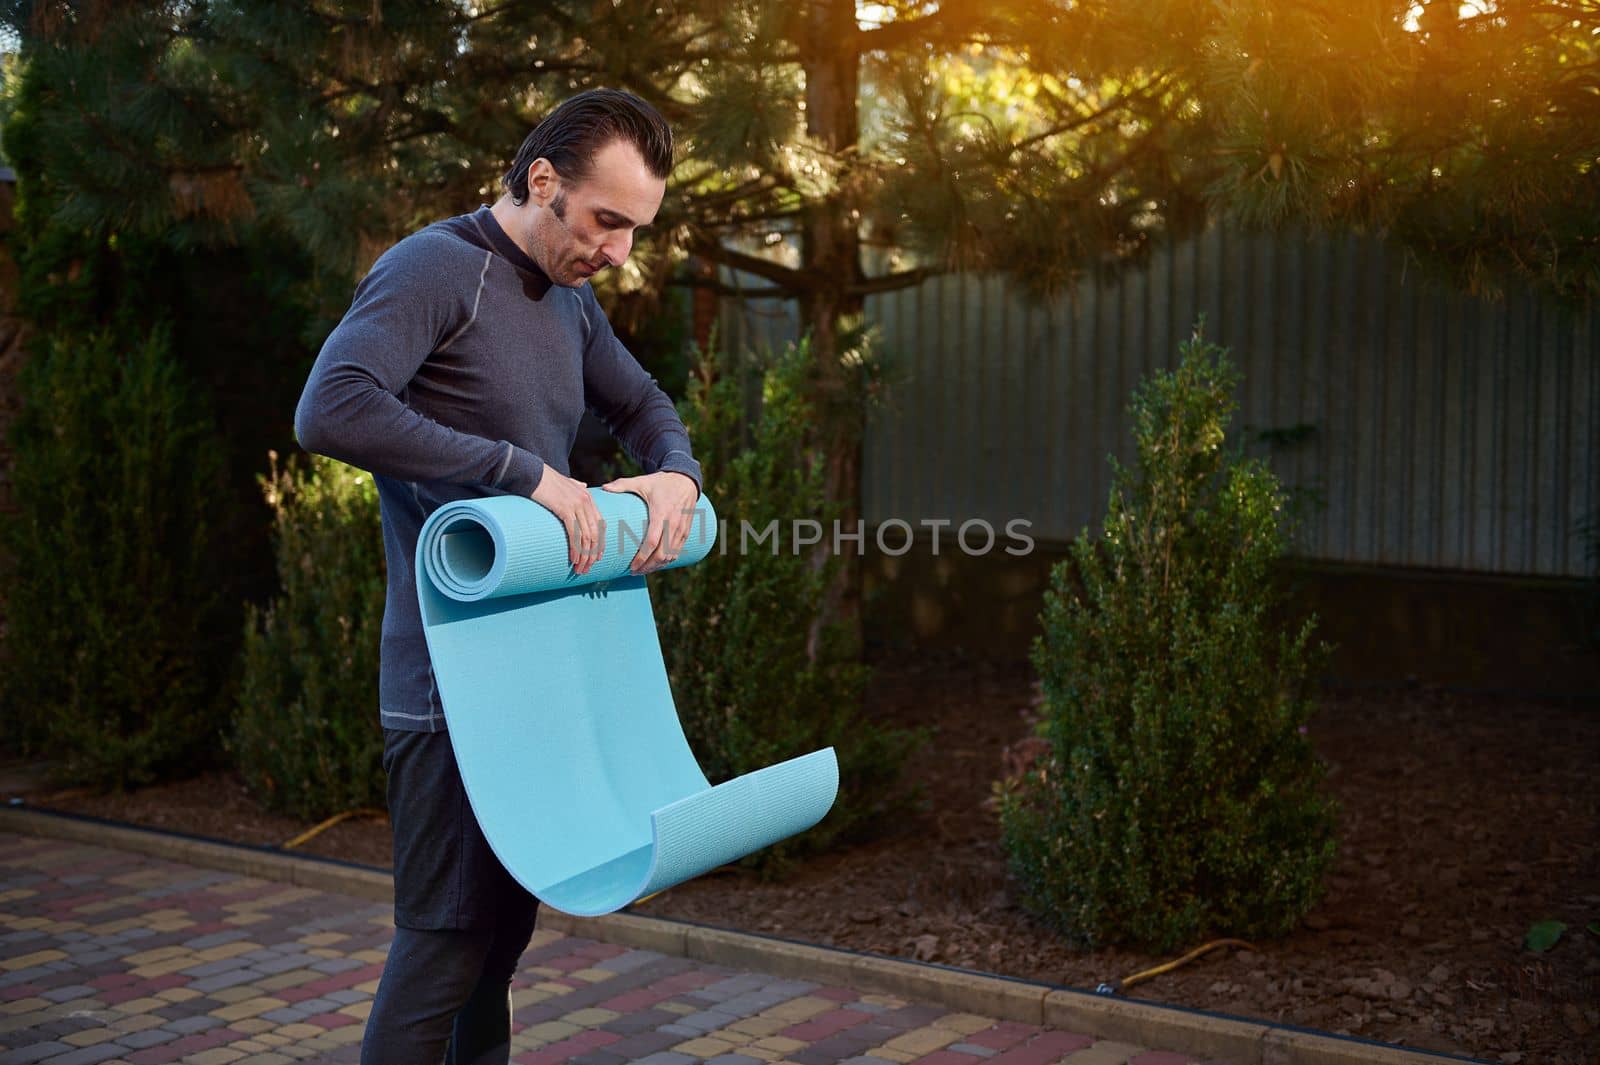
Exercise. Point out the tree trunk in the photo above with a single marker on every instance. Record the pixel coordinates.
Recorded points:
(830, 252)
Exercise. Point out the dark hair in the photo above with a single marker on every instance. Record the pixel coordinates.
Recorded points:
(570, 135)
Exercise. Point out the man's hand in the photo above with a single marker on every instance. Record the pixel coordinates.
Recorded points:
(570, 501)
(669, 499)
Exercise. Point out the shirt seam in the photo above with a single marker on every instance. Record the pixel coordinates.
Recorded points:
(477, 300)
(430, 716)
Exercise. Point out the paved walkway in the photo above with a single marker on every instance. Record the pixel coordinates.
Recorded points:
(114, 957)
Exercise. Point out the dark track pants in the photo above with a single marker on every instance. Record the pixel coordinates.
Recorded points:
(461, 921)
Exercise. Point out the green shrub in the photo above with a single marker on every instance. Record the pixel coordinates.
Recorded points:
(1179, 795)
(306, 736)
(734, 626)
(113, 663)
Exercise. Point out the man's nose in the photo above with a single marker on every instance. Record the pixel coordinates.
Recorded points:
(616, 248)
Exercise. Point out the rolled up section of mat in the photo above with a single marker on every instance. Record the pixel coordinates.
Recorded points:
(562, 721)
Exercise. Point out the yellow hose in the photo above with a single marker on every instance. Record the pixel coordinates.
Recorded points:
(1166, 967)
(318, 829)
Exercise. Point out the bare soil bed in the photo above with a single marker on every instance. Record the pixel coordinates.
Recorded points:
(1465, 818)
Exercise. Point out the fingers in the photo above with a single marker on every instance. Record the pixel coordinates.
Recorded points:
(591, 534)
(570, 501)
(664, 540)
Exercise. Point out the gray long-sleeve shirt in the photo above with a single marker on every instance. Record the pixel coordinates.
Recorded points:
(460, 371)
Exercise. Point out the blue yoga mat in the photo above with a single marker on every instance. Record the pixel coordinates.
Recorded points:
(557, 703)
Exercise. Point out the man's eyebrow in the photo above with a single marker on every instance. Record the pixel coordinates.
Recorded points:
(619, 215)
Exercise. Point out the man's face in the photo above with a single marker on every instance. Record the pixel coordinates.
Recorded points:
(582, 229)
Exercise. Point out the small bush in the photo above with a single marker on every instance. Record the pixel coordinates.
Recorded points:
(113, 663)
(1179, 795)
(734, 627)
(306, 735)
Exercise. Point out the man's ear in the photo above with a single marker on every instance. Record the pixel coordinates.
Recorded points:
(543, 181)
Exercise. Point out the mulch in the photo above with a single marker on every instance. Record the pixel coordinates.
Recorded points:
(1465, 818)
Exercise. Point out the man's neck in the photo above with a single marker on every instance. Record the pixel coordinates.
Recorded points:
(509, 217)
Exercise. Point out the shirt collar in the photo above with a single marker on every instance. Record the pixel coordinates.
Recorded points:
(507, 248)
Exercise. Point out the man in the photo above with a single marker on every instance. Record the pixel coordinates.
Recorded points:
(462, 369)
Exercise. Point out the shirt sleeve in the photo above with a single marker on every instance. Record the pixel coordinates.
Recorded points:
(627, 399)
(351, 409)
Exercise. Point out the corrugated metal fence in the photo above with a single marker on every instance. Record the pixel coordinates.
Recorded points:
(1435, 429)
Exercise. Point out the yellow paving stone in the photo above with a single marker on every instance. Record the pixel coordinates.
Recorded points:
(177, 994)
(171, 924)
(29, 922)
(162, 915)
(23, 1021)
(370, 956)
(226, 950)
(592, 976)
(757, 1052)
(358, 1010)
(292, 978)
(16, 893)
(350, 1033)
(299, 1032)
(38, 957)
(672, 1007)
(237, 993)
(254, 1027)
(323, 939)
(893, 1055)
(759, 1025)
(888, 1001)
(250, 1007)
(137, 1022)
(111, 928)
(214, 1056)
(543, 937)
(921, 1041)
(800, 1009)
(1105, 1052)
(325, 952)
(136, 1006)
(162, 968)
(738, 1039)
(24, 1005)
(554, 989)
(550, 1031)
(527, 996)
(592, 1017)
(247, 1046)
(367, 987)
(242, 919)
(964, 1023)
(88, 1037)
(781, 1043)
(267, 1058)
(703, 1047)
(121, 880)
(271, 1039)
(99, 907)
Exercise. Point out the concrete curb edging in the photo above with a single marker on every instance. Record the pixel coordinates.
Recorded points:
(1205, 1035)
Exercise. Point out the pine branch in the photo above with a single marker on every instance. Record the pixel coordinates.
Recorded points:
(945, 28)
(894, 282)
(790, 279)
